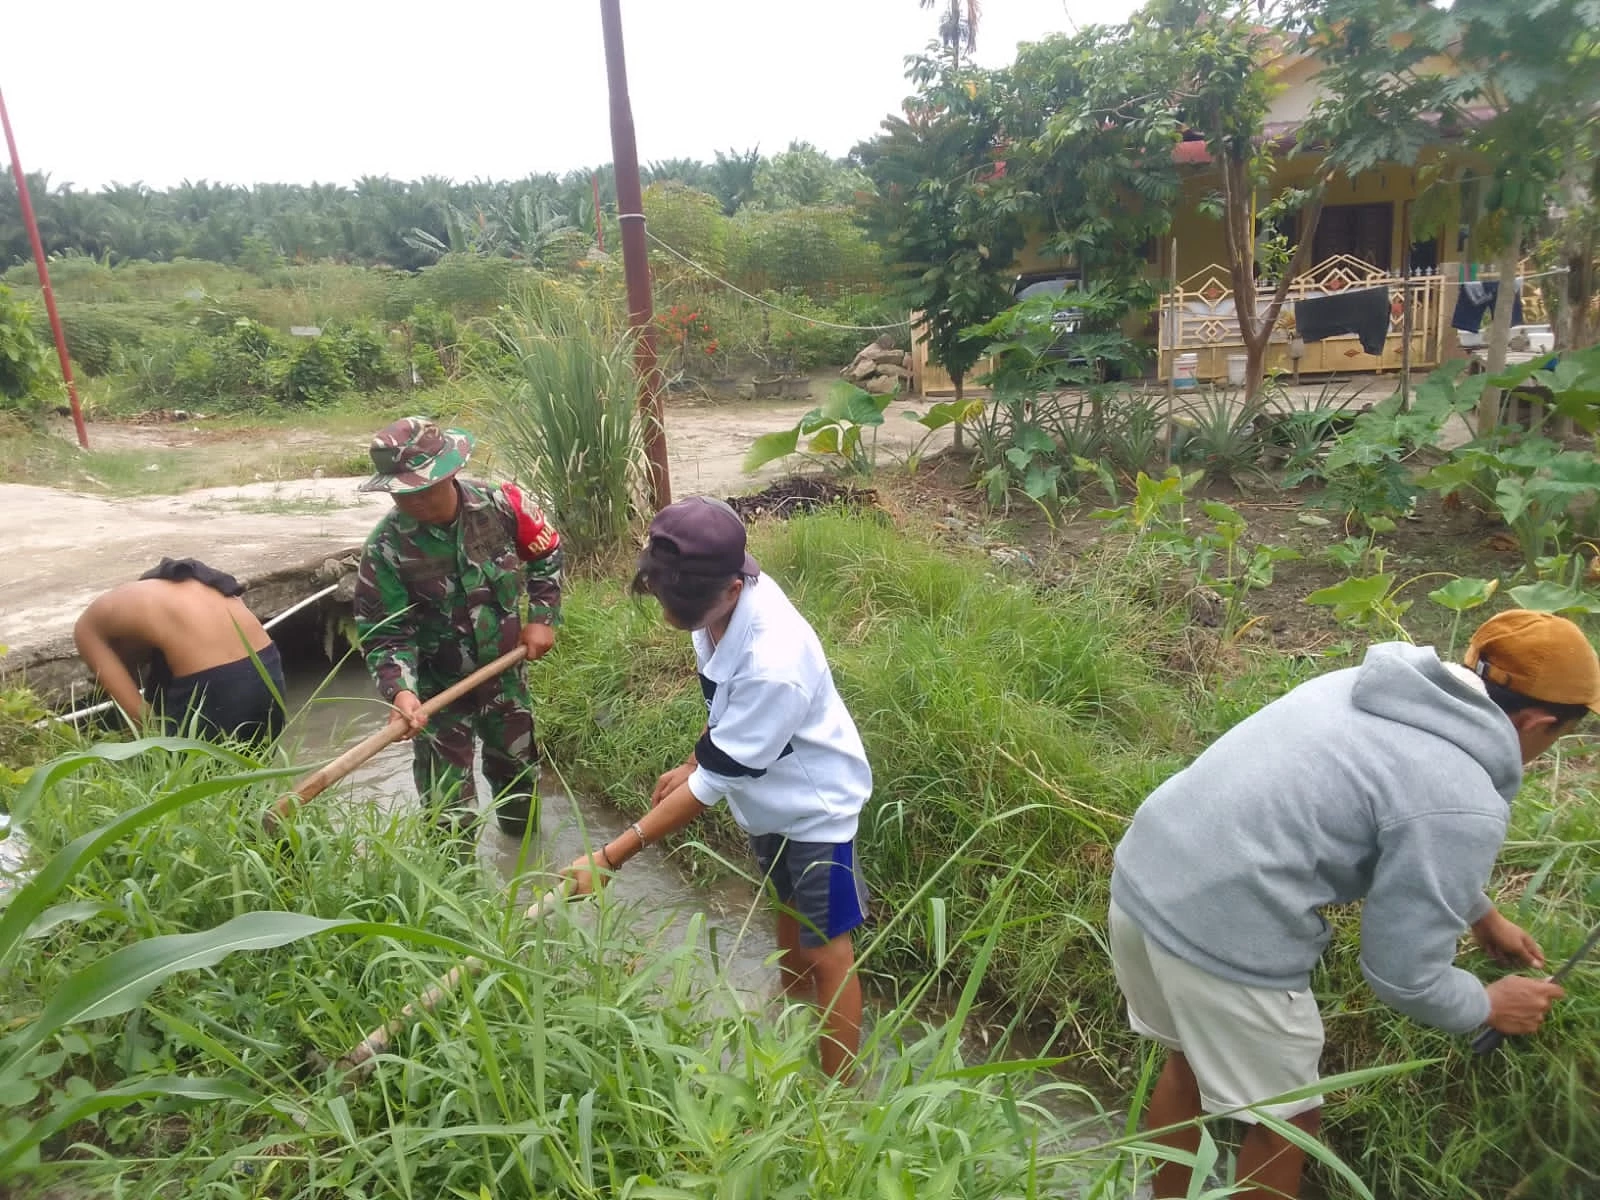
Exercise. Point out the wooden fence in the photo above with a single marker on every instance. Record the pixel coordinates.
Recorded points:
(1198, 317)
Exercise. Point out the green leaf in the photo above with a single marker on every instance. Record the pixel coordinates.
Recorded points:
(122, 979)
(825, 442)
(1354, 591)
(1040, 481)
(1034, 439)
(1460, 595)
(948, 412)
(1549, 596)
(847, 402)
(25, 905)
(771, 446)
(176, 1087)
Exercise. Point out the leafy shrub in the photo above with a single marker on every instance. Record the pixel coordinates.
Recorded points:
(468, 284)
(819, 252)
(24, 368)
(317, 374)
(364, 351)
(802, 342)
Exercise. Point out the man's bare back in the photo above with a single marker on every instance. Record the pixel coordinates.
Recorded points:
(193, 626)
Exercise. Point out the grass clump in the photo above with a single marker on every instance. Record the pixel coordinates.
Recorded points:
(1012, 734)
(565, 422)
(597, 1055)
(975, 696)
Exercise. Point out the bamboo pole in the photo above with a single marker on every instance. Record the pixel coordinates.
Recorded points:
(359, 1060)
(320, 780)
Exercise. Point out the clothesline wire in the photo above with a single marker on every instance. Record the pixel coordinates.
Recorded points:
(777, 308)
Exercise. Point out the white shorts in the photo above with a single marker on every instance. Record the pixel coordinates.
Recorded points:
(1244, 1044)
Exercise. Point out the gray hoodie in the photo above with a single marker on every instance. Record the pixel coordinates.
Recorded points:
(1389, 783)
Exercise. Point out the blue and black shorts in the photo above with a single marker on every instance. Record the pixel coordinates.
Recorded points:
(820, 882)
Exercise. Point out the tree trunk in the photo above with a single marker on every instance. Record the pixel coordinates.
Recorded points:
(1255, 329)
(956, 377)
(1580, 291)
(1500, 328)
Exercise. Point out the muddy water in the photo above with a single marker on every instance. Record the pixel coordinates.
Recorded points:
(336, 710)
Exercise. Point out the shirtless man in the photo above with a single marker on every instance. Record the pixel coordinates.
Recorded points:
(203, 646)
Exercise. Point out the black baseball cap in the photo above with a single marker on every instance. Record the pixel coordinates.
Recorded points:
(706, 535)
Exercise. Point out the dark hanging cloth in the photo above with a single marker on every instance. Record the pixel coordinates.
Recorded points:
(178, 570)
(1477, 298)
(1364, 313)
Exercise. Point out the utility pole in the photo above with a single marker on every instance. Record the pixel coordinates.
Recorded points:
(635, 256)
(44, 275)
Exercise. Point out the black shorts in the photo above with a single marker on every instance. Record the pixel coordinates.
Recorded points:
(820, 882)
(232, 700)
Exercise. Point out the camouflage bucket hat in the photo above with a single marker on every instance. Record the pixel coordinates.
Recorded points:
(414, 453)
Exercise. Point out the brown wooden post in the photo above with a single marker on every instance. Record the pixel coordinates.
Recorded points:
(635, 256)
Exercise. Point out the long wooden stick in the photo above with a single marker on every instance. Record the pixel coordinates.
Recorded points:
(359, 1060)
(324, 777)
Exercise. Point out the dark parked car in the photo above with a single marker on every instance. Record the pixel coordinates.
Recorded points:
(1069, 320)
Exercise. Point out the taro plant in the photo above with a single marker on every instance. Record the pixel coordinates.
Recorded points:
(943, 415)
(1226, 563)
(1221, 556)
(1565, 584)
(1374, 601)
(1535, 486)
(843, 431)
(1462, 595)
(1367, 471)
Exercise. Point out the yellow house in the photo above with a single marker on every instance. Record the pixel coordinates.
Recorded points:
(1363, 241)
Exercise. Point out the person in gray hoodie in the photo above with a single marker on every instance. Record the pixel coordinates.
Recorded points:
(1388, 783)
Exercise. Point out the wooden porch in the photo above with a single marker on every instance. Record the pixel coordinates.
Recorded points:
(1198, 317)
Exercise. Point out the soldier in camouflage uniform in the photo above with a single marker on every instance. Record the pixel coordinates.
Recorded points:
(437, 597)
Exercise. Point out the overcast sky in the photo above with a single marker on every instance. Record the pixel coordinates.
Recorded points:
(296, 91)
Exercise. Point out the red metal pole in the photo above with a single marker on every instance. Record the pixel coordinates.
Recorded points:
(44, 274)
(635, 255)
(599, 225)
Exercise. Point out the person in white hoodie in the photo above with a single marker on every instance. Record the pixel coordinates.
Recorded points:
(778, 745)
(1389, 783)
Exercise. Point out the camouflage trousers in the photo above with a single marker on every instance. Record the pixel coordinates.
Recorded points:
(500, 714)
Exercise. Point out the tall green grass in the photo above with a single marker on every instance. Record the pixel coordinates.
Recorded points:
(167, 970)
(1012, 733)
(566, 422)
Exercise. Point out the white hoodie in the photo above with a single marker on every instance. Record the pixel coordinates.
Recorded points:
(780, 745)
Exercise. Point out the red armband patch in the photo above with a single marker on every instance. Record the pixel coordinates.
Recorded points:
(536, 537)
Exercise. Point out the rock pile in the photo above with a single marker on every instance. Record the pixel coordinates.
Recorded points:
(880, 368)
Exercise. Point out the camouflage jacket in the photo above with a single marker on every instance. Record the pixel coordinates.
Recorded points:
(441, 600)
